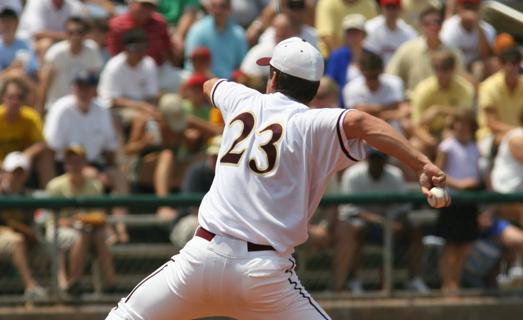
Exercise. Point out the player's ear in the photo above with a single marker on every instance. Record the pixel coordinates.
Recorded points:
(272, 83)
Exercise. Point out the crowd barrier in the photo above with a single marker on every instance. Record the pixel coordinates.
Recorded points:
(147, 203)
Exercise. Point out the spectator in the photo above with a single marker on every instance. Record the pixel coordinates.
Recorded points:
(466, 32)
(296, 13)
(98, 33)
(196, 105)
(507, 173)
(224, 38)
(459, 157)
(64, 60)
(198, 179)
(73, 120)
(282, 30)
(156, 144)
(329, 17)
(376, 93)
(16, 231)
(386, 32)
(142, 15)
(78, 229)
(129, 81)
(180, 15)
(503, 41)
(15, 53)
(436, 98)
(21, 129)
(201, 62)
(356, 221)
(343, 63)
(411, 10)
(412, 61)
(44, 21)
(500, 96)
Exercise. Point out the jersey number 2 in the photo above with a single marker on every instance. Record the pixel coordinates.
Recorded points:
(248, 121)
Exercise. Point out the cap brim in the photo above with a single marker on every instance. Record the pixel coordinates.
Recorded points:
(265, 61)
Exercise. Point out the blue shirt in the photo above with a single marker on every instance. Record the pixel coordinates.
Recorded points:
(8, 55)
(227, 48)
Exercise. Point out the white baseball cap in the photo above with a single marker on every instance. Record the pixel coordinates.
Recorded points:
(15, 160)
(296, 57)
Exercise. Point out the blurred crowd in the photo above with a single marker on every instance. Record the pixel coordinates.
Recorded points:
(106, 97)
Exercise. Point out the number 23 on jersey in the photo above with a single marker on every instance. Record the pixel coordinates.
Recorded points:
(233, 156)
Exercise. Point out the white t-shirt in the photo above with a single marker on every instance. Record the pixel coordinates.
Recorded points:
(356, 179)
(249, 65)
(462, 160)
(308, 34)
(66, 125)
(390, 91)
(455, 36)
(507, 174)
(384, 41)
(120, 80)
(276, 160)
(66, 66)
(40, 15)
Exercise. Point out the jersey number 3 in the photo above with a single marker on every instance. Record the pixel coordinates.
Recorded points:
(248, 121)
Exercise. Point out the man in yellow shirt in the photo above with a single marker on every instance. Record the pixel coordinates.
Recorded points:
(501, 97)
(412, 60)
(329, 16)
(437, 97)
(21, 129)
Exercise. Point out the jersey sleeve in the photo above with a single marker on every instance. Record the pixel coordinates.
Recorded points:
(228, 96)
(327, 140)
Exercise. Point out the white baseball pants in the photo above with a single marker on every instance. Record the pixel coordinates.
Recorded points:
(220, 278)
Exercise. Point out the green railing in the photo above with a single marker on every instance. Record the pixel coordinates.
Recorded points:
(149, 201)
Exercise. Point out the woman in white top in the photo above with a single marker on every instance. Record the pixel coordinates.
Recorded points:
(507, 174)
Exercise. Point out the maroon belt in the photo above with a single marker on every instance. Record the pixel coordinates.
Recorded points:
(207, 235)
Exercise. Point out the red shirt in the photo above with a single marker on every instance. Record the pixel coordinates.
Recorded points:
(158, 40)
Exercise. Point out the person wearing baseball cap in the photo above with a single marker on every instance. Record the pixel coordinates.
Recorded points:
(16, 225)
(276, 159)
(343, 63)
(79, 230)
(298, 68)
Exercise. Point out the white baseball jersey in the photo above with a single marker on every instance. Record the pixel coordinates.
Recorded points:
(274, 164)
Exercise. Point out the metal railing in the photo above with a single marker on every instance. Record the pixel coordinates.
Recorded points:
(151, 201)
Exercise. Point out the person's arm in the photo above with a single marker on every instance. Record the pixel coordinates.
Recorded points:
(377, 133)
(516, 148)
(208, 128)
(185, 22)
(260, 24)
(495, 125)
(138, 139)
(46, 76)
(140, 106)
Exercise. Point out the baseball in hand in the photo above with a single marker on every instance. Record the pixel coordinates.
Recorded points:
(439, 197)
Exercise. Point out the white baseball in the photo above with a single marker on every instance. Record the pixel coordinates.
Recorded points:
(439, 197)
